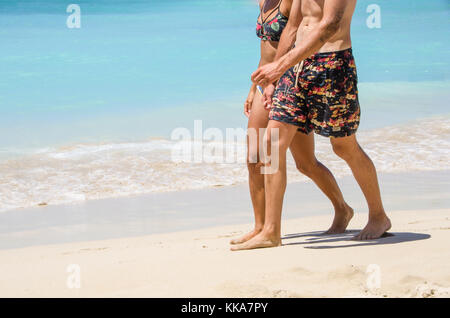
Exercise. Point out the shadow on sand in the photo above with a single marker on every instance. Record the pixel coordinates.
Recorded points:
(318, 237)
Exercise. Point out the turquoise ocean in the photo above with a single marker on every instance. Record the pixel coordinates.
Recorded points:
(89, 111)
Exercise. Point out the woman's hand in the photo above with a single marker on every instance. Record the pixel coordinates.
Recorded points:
(268, 73)
(249, 101)
(267, 96)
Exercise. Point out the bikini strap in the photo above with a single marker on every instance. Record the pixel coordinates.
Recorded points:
(273, 10)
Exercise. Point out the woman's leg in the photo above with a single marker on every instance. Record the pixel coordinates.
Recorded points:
(302, 149)
(259, 117)
(275, 185)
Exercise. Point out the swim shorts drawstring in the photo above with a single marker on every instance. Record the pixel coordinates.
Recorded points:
(298, 68)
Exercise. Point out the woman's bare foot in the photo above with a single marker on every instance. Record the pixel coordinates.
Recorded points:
(261, 240)
(244, 238)
(341, 219)
(376, 227)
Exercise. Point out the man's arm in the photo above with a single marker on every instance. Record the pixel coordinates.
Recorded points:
(289, 33)
(333, 12)
(286, 42)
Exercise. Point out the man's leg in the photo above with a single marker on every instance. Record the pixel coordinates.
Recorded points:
(259, 117)
(275, 186)
(302, 149)
(365, 174)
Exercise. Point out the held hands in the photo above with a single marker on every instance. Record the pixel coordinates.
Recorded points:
(267, 74)
(267, 96)
(267, 99)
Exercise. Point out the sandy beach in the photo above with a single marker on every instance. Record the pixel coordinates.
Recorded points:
(412, 261)
(124, 147)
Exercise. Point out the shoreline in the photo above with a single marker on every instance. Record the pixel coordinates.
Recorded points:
(117, 248)
(168, 212)
(92, 172)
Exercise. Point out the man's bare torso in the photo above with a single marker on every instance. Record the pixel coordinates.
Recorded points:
(312, 11)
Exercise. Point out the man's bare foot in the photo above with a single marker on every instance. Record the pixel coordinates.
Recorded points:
(244, 238)
(375, 228)
(261, 240)
(341, 219)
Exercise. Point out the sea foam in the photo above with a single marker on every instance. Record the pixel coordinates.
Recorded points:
(93, 171)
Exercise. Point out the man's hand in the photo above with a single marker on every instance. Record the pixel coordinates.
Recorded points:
(267, 96)
(267, 74)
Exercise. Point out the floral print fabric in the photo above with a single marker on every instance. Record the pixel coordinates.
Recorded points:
(272, 29)
(324, 100)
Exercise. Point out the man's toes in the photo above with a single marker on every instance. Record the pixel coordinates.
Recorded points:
(362, 236)
(237, 247)
(235, 242)
(239, 240)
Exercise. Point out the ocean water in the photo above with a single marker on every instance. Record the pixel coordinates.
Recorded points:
(89, 111)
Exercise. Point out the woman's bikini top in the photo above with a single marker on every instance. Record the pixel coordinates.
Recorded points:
(271, 30)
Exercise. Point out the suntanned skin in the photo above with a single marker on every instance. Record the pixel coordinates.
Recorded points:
(302, 147)
(323, 26)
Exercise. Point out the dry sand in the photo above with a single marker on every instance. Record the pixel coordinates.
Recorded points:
(414, 262)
